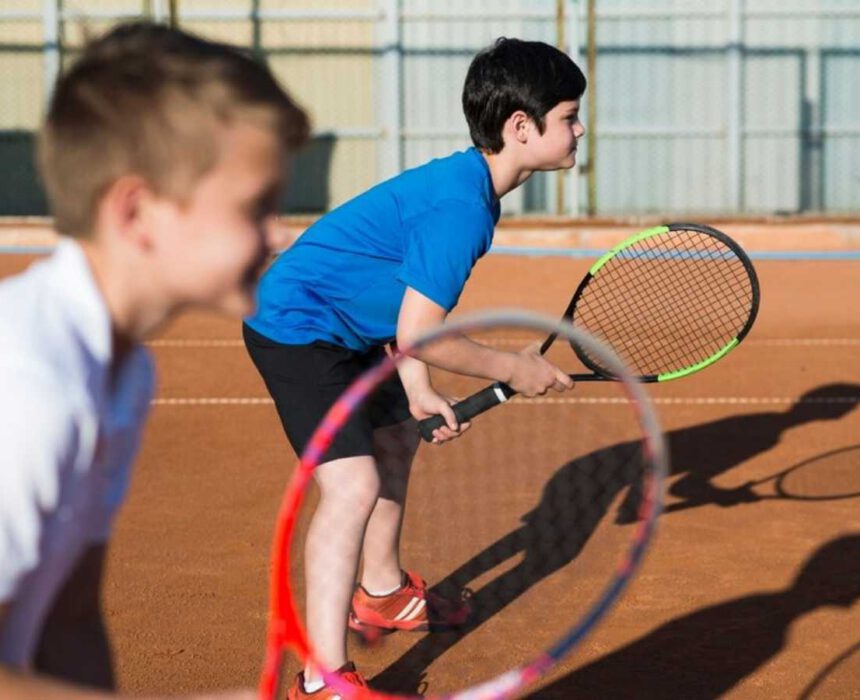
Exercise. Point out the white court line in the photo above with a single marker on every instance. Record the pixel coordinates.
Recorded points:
(223, 343)
(176, 343)
(701, 401)
(668, 401)
(805, 341)
(753, 341)
(214, 401)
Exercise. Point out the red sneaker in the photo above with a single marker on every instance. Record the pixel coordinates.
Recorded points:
(347, 672)
(410, 607)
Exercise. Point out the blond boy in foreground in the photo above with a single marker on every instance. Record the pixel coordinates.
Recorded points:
(163, 156)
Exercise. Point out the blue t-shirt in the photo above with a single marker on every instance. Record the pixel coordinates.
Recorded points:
(344, 278)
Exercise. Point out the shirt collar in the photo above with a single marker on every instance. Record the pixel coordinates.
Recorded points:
(82, 301)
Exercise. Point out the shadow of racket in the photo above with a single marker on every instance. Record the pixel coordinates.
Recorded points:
(839, 669)
(830, 476)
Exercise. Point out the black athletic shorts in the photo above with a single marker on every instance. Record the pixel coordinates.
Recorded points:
(305, 380)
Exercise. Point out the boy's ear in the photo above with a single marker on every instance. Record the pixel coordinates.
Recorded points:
(127, 209)
(519, 124)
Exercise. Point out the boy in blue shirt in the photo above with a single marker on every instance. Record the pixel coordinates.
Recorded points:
(384, 268)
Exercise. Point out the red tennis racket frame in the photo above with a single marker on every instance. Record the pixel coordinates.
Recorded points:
(285, 629)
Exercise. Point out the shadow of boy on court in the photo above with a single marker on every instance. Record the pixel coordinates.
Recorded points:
(703, 453)
(578, 495)
(708, 652)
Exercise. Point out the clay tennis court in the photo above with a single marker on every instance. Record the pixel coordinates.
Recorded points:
(751, 599)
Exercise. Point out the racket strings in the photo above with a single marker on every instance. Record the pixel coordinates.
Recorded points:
(694, 328)
(668, 301)
(685, 338)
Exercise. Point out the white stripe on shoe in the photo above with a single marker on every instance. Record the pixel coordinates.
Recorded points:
(418, 610)
(412, 608)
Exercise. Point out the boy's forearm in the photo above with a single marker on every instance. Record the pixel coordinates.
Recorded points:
(464, 356)
(414, 374)
(455, 353)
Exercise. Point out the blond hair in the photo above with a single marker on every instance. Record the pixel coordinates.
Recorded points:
(147, 99)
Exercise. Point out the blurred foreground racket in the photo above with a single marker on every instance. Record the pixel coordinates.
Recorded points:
(569, 563)
(670, 301)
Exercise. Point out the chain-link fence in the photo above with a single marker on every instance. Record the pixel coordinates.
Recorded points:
(729, 107)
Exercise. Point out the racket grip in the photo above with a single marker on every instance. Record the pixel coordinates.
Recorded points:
(468, 408)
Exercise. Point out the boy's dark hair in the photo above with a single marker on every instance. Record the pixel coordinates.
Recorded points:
(150, 100)
(516, 75)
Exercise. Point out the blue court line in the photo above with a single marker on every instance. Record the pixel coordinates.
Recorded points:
(591, 253)
(588, 253)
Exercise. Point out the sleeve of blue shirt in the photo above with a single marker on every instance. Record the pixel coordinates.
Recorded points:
(442, 247)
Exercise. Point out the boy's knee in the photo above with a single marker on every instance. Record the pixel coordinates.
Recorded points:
(352, 483)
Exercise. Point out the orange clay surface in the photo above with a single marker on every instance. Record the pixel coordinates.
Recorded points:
(717, 609)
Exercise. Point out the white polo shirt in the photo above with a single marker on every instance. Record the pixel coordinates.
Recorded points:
(67, 436)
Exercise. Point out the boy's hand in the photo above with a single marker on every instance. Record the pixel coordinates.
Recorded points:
(731, 497)
(425, 403)
(532, 375)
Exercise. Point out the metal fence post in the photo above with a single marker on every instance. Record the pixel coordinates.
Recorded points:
(390, 158)
(591, 125)
(50, 46)
(734, 107)
(812, 133)
(157, 9)
(173, 19)
(572, 21)
(561, 175)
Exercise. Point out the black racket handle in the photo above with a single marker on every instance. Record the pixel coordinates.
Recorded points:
(484, 400)
(468, 408)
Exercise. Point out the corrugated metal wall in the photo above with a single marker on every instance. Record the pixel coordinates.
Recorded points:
(661, 92)
(726, 106)
(839, 85)
(328, 67)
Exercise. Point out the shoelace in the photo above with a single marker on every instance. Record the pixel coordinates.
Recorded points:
(418, 589)
(355, 678)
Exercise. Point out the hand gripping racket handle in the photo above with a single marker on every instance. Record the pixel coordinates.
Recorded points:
(468, 408)
(484, 400)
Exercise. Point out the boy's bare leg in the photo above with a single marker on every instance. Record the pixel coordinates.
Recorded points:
(394, 447)
(349, 489)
